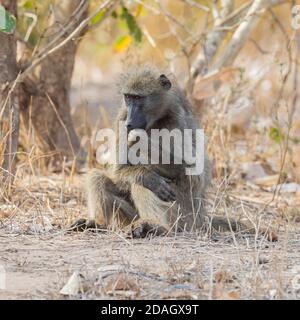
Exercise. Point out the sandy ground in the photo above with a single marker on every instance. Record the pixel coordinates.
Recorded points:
(39, 255)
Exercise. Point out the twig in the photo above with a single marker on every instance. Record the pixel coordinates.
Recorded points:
(196, 5)
(109, 4)
(75, 16)
(62, 123)
(213, 40)
(243, 32)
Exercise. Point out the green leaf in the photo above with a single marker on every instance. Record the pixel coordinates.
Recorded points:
(275, 135)
(27, 4)
(7, 21)
(122, 43)
(98, 17)
(114, 14)
(132, 25)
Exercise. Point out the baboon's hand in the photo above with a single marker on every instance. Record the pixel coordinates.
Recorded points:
(159, 186)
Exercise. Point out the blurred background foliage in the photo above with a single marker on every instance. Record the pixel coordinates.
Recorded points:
(171, 33)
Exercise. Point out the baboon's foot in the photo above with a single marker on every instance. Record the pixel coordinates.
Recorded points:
(78, 226)
(84, 224)
(143, 229)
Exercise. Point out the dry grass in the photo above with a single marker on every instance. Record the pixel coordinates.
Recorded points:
(39, 254)
(252, 124)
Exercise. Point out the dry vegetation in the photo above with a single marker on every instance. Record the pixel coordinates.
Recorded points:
(252, 120)
(40, 255)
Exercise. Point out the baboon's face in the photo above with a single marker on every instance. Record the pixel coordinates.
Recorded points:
(144, 109)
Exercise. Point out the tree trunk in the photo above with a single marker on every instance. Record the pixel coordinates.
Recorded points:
(51, 114)
(9, 103)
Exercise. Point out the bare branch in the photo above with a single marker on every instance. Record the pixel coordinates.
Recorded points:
(196, 5)
(243, 32)
(74, 18)
(213, 40)
(107, 5)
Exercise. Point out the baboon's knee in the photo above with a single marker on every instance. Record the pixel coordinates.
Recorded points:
(106, 201)
(149, 206)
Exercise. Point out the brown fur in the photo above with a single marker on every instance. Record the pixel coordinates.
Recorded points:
(132, 194)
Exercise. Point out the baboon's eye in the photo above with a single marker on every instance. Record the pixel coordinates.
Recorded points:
(132, 97)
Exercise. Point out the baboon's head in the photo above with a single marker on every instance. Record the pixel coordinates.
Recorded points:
(144, 94)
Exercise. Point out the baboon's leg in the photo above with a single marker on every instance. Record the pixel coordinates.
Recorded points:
(153, 212)
(176, 216)
(108, 204)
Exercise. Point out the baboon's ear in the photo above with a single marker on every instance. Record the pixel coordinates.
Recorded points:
(165, 82)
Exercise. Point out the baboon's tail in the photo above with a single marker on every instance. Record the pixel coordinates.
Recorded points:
(221, 224)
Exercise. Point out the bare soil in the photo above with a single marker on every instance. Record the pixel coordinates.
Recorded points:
(40, 255)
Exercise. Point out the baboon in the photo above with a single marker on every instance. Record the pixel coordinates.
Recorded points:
(151, 198)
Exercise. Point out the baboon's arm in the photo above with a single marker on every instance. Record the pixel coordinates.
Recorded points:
(147, 178)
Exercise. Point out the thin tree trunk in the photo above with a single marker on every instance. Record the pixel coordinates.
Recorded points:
(51, 112)
(9, 103)
(213, 41)
(243, 32)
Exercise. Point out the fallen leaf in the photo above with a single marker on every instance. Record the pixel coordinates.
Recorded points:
(121, 282)
(5, 214)
(72, 286)
(233, 295)
(272, 236)
(267, 181)
(223, 276)
(179, 294)
(220, 293)
(272, 293)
